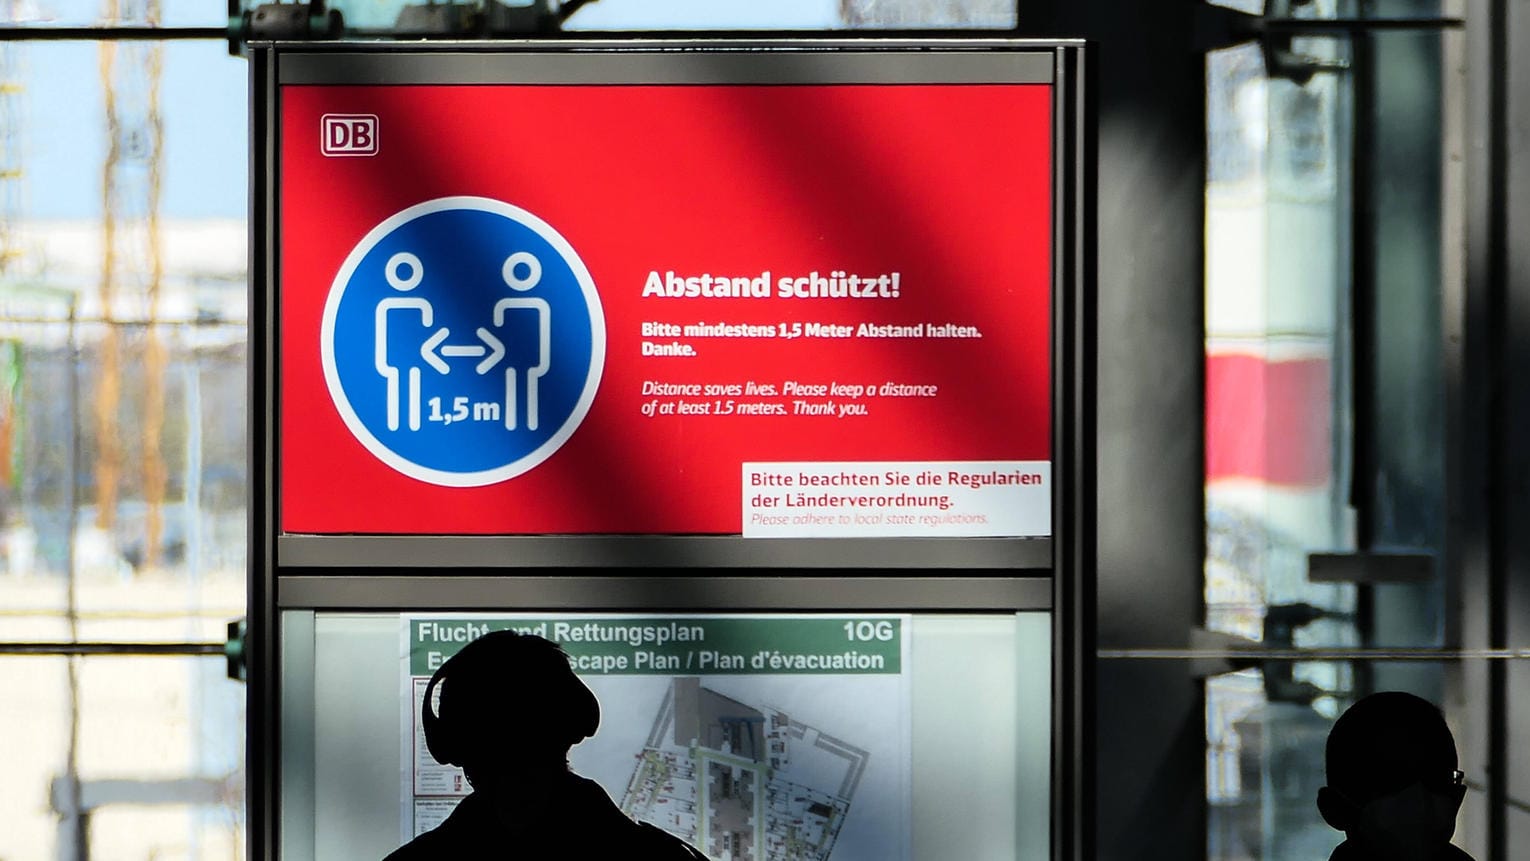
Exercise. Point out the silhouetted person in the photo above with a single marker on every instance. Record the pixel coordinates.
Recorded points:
(1393, 784)
(510, 710)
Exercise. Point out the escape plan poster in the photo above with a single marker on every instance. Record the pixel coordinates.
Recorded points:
(769, 311)
(753, 738)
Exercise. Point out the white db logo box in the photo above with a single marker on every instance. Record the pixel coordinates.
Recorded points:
(348, 134)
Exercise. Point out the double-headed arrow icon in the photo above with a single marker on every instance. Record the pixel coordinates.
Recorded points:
(492, 346)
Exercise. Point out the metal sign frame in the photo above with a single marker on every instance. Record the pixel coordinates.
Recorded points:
(678, 573)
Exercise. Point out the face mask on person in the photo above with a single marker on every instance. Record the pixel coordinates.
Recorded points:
(1411, 824)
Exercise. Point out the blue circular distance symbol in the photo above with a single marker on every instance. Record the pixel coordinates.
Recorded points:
(463, 341)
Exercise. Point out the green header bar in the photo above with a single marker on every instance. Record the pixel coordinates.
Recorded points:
(685, 645)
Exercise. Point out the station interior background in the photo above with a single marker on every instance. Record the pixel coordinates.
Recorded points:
(1311, 483)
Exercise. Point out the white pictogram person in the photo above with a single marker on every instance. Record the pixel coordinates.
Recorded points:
(403, 283)
(514, 264)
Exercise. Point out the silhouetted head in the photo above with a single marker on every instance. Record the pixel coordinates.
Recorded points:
(509, 704)
(1392, 786)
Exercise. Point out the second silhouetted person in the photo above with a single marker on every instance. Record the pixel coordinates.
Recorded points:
(1393, 784)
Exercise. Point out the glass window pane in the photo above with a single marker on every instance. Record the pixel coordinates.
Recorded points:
(123, 471)
(922, 14)
(1324, 392)
(122, 330)
(705, 15)
(156, 746)
(1400, 430)
(1325, 375)
(377, 16)
(1267, 732)
(1380, 9)
(1252, 7)
(40, 715)
(1276, 347)
(98, 13)
(380, 16)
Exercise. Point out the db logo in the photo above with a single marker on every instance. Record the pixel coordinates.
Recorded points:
(348, 134)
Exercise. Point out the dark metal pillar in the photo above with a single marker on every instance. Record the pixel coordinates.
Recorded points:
(1499, 265)
(1150, 737)
(1495, 591)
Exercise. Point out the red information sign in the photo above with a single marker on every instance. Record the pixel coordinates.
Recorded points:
(767, 310)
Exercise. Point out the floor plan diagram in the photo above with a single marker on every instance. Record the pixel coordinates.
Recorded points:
(742, 782)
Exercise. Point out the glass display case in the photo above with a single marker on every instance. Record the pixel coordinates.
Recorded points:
(844, 735)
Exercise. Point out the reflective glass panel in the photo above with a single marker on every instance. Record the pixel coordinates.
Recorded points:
(1276, 346)
(1266, 750)
(1325, 433)
(377, 17)
(747, 736)
(106, 13)
(122, 329)
(136, 756)
(1325, 290)
(123, 453)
